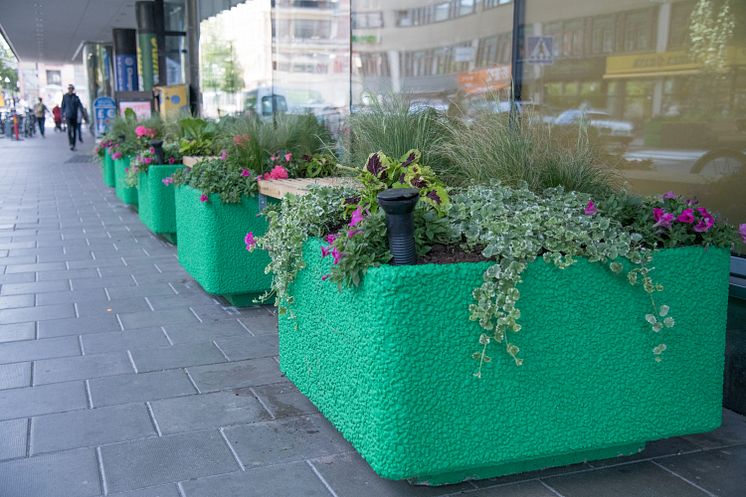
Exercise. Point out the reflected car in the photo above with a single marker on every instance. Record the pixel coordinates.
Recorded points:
(608, 129)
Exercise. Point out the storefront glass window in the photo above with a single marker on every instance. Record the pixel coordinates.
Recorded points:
(666, 97)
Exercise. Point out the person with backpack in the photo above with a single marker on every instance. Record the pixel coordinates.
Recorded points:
(41, 111)
(71, 105)
(57, 115)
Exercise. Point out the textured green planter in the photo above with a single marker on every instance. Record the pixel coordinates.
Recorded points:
(108, 170)
(211, 245)
(127, 194)
(389, 364)
(156, 203)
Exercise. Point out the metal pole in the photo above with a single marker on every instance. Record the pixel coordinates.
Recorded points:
(192, 30)
(516, 59)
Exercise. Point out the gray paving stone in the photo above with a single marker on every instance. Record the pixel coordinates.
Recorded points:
(78, 326)
(286, 440)
(140, 291)
(283, 480)
(81, 368)
(20, 259)
(350, 476)
(169, 301)
(32, 268)
(24, 402)
(172, 458)
(17, 331)
(731, 432)
(203, 412)
(146, 338)
(721, 472)
(170, 490)
(149, 318)
(30, 350)
(110, 282)
(104, 262)
(92, 295)
(198, 333)
(666, 447)
(249, 373)
(67, 274)
(17, 278)
(15, 375)
(90, 427)
(248, 347)
(13, 436)
(283, 400)
(643, 478)
(14, 301)
(112, 307)
(38, 313)
(70, 473)
(139, 387)
(176, 356)
(38, 287)
(259, 321)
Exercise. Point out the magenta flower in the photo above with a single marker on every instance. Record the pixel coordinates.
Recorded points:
(352, 233)
(357, 216)
(288, 157)
(203, 198)
(686, 216)
(116, 155)
(325, 250)
(171, 160)
(706, 222)
(658, 213)
(223, 154)
(662, 218)
(126, 169)
(249, 241)
(278, 172)
(330, 238)
(245, 173)
(141, 131)
(152, 150)
(742, 232)
(669, 196)
(590, 208)
(167, 180)
(273, 158)
(146, 160)
(336, 255)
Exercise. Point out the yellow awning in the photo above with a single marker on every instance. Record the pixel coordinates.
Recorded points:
(654, 74)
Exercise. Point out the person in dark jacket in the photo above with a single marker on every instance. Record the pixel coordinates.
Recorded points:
(70, 107)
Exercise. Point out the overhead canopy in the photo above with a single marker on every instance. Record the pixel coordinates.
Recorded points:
(210, 8)
(53, 30)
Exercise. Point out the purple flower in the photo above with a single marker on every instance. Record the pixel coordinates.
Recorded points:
(223, 154)
(706, 222)
(352, 233)
(203, 198)
(249, 241)
(245, 173)
(669, 196)
(742, 232)
(336, 255)
(658, 213)
(171, 160)
(357, 216)
(590, 208)
(167, 180)
(330, 238)
(325, 251)
(686, 216)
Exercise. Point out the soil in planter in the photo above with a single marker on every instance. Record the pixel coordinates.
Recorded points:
(450, 254)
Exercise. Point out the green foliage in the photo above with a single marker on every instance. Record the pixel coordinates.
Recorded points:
(527, 151)
(314, 166)
(394, 127)
(146, 158)
(197, 137)
(218, 176)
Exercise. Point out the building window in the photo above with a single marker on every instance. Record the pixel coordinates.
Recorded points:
(603, 35)
(441, 11)
(678, 34)
(367, 20)
(54, 78)
(638, 30)
(306, 29)
(491, 4)
(466, 7)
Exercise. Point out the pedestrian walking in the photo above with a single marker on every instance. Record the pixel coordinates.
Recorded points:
(57, 115)
(41, 111)
(70, 107)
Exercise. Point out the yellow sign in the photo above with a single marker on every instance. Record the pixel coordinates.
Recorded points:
(174, 100)
(662, 63)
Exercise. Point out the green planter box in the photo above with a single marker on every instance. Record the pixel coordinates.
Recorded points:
(156, 203)
(211, 245)
(127, 194)
(108, 170)
(389, 364)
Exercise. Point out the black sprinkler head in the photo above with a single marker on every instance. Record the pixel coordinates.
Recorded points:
(398, 204)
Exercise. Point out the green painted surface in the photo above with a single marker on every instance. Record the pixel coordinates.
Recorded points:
(108, 170)
(127, 194)
(156, 204)
(211, 244)
(389, 364)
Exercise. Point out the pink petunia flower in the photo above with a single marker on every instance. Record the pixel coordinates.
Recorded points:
(245, 173)
(278, 172)
(706, 222)
(249, 241)
(223, 154)
(662, 218)
(590, 208)
(126, 169)
(167, 180)
(742, 232)
(171, 160)
(273, 158)
(352, 233)
(357, 217)
(203, 198)
(686, 216)
(288, 157)
(141, 131)
(330, 238)
(336, 255)
(147, 160)
(325, 277)
(325, 250)
(152, 150)
(116, 155)
(669, 196)
(658, 213)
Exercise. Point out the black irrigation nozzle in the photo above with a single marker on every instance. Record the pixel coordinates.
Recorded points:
(158, 151)
(398, 204)
(122, 138)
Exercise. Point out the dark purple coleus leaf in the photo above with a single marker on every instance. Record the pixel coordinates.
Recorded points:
(352, 200)
(410, 159)
(433, 195)
(374, 166)
(306, 158)
(418, 182)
